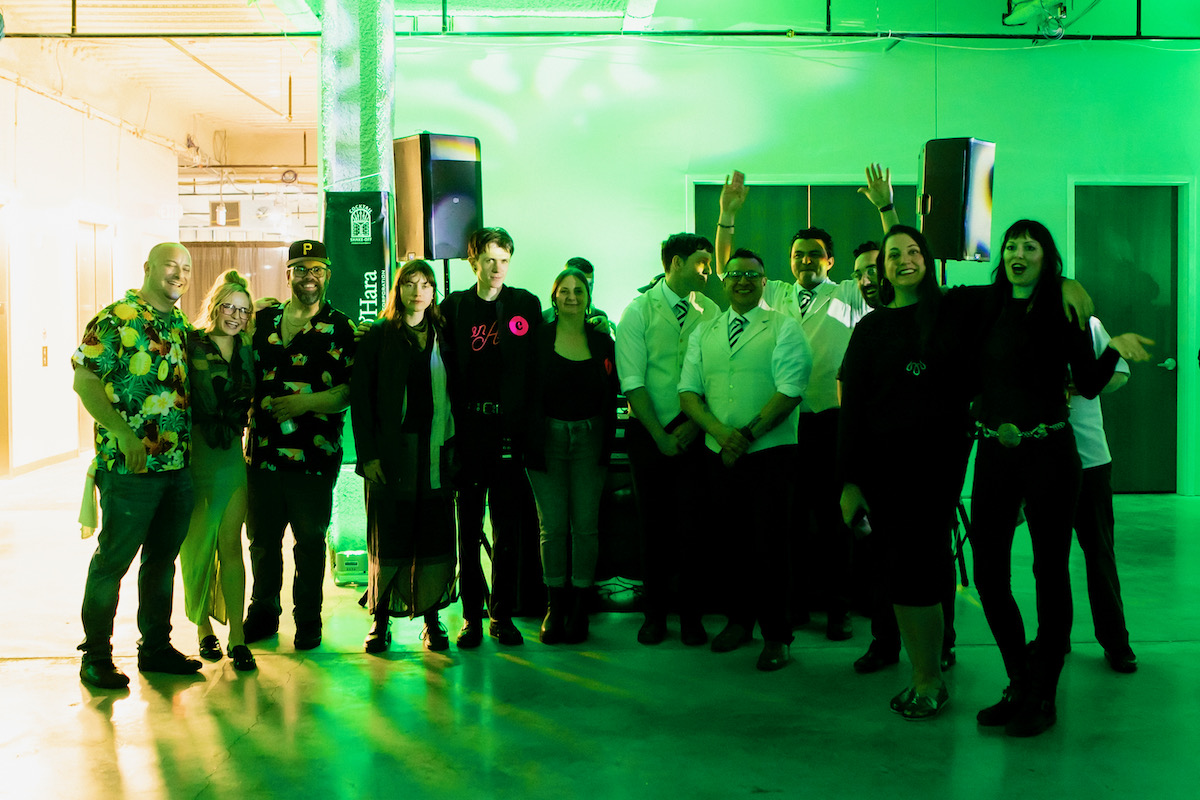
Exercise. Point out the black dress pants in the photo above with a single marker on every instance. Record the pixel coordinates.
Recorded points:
(1094, 528)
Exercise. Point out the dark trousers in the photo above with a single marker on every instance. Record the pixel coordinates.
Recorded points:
(676, 533)
(822, 560)
(1046, 474)
(149, 512)
(756, 540)
(1094, 527)
(276, 500)
(492, 477)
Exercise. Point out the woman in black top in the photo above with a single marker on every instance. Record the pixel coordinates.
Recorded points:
(402, 427)
(571, 424)
(1027, 453)
(221, 380)
(903, 444)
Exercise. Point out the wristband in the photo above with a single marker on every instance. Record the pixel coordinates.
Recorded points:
(885, 209)
(745, 431)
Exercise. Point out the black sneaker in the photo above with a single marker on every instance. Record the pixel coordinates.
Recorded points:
(505, 632)
(308, 636)
(875, 659)
(1003, 712)
(168, 660)
(1124, 663)
(1034, 717)
(259, 626)
(103, 675)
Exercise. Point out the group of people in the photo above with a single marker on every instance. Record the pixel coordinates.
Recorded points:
(812, 409)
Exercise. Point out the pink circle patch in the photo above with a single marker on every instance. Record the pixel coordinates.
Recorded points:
(519, 326)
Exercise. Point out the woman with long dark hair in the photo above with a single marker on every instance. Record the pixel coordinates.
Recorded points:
(402, 429)
(1027, 454)
(903, 443)
(221, 380)
(572, 422)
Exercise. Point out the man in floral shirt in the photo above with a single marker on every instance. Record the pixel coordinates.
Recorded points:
(131, 375)
(303, 353)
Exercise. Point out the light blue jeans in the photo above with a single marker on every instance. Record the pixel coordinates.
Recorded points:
(568, 501)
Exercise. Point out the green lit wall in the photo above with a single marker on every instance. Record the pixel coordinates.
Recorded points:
(590, 146)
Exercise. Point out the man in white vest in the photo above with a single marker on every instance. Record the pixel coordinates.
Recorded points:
(665, 450)
(828, 312)
(742, 382)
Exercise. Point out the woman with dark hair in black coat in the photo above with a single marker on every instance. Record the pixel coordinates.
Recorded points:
(402, 429)
(571, 425)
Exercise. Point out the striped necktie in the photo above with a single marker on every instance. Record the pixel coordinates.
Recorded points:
(680, 309)
(736, 326)
(806, 297)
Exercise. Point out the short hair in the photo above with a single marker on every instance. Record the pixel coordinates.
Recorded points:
(743, 252)
(683, 245)
(820, 234)
(228, 284)
(577, 274)
(393, 310)
(582, 264)
(480, 239)
(865, 247)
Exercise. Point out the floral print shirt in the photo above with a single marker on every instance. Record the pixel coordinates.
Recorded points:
(140, 355)
(317, 359)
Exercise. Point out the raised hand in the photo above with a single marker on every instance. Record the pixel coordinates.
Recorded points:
(879, 185)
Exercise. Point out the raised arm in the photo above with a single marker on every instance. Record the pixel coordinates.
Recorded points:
(879, 191)
(733, 195)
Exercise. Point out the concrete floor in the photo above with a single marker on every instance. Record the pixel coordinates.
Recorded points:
(611, 719)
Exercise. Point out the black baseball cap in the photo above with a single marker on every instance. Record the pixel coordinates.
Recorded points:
(307, 250)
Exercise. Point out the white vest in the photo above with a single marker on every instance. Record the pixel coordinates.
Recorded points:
(666, 346)
(738, 382)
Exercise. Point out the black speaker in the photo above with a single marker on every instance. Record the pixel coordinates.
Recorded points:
(955, 197)
(439, 195)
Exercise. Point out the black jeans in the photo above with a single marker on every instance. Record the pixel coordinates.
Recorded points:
(149, 512)
(822, 559)
(1046, 474)
(275, 501)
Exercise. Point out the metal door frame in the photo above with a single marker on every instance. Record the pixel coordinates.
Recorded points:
(1187, 430)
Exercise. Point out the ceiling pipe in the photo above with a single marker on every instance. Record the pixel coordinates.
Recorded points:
(256, 99)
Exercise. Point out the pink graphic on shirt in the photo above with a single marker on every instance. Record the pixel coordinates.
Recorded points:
(481, 335)
(519, 326)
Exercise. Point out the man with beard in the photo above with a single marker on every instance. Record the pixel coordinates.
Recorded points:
(303, 353)
(865, 274)
(131, 376)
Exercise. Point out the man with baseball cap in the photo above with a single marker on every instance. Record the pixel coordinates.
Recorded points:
(303, 353)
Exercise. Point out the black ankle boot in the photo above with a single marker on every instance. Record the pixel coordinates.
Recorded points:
(577, 616)
(1010, 703)
(380, 634)
(554, 626)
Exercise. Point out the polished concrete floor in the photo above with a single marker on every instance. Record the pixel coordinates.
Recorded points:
(609, 719)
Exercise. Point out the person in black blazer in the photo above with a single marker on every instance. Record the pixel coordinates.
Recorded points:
(488, 342)
(571, 407)
(402, 431)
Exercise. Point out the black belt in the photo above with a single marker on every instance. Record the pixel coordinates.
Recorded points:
(486, 409)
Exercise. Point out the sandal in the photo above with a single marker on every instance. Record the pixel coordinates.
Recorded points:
(903, 699)
(924, 706)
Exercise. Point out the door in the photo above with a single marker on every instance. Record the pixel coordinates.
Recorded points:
(93, 270)
(1127, 256)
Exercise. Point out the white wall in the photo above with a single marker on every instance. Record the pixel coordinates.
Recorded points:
(59, 168)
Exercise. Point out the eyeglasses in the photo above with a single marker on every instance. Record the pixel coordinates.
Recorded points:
(316, 272)
(734, 275)
(229, 309)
